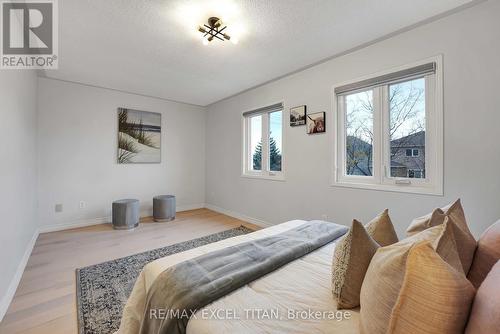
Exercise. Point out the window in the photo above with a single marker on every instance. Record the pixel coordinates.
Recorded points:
(275, 140)
(263, 142)
(256, 142)
(359, 133)
(389, 131)
(416, 173)
(412, 153)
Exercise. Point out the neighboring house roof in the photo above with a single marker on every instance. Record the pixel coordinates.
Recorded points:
(413, 140)
(358, 143)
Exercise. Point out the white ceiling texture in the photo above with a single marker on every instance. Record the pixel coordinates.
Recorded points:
(152, 47)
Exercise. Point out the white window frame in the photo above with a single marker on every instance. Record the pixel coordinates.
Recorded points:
(265, 173)
(381, 179)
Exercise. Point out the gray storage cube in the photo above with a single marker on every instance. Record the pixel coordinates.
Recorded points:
(164, 208)
(126, 214)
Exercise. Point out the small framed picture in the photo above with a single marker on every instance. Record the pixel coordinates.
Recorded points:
(316, 123)
(298, 116)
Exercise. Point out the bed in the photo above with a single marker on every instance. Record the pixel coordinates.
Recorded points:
(296, 298)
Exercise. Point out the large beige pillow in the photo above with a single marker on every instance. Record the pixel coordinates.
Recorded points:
(352, 256)
(464, 238)
(385, 274)
(434, 297)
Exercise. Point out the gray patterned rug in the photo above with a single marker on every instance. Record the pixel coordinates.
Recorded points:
(103, 289)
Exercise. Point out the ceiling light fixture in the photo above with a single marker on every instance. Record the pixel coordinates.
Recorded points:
(215, 29)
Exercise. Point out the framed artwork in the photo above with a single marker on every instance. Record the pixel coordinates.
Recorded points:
(316, 123)
(298, 116)
(139, 136)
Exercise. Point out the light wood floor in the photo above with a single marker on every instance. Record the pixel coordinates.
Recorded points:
(45, 301)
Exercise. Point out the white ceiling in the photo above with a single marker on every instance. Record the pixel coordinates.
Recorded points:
(151, 47)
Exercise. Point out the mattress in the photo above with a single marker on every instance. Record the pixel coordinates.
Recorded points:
(296, 298)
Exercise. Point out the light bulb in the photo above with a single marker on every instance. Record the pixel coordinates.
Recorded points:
(234, 40)
(205, 41)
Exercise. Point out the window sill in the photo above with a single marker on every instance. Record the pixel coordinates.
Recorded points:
(429, 190)
(277, 177)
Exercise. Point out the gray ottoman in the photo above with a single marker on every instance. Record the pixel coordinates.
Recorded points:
(164, 208)
(125, 214)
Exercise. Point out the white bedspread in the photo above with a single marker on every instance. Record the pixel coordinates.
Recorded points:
(296, 298)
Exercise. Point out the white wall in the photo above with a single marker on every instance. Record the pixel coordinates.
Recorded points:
(77, 143)
(18, 91)
(469, 42)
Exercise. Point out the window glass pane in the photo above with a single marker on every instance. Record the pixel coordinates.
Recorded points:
(256, 142)
(407, 128)
(416, 174)
(275, 141)
(359, 133)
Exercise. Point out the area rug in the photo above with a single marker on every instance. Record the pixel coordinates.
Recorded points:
(103, 289)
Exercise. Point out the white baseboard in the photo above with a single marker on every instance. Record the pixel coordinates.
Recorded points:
(238, 215)
(190, 207)
(106, 220)
(74, 224)
(11, 291)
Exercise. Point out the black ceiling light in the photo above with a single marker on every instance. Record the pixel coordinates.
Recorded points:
(215, 29)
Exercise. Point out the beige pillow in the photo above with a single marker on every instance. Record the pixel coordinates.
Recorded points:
(434, 297)
(419, 224)
(382, 230)
(385, 274)
(350, 265)
(352, 256)
(466, 244)
(455, 210)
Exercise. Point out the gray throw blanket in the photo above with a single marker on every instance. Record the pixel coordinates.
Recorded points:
(179, 291)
